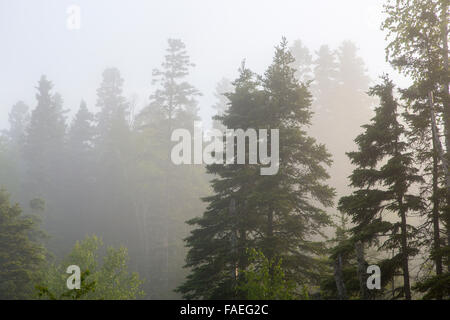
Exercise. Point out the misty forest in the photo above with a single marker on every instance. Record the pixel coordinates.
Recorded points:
(362, 181)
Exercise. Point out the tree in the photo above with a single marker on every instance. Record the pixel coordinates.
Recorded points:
(223, 87)
(112, 158)
(343, 282)
(273, 214)
(265, 280)
(12, 173)
(341, 106)
(174, 189)
(21, 253)
(417, 32)
(44, 145)
(303, 61)
(104, 278)
(19, 118)
(325, 74)
(384, 176)
(79, 173)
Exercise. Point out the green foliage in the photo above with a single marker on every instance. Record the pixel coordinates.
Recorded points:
(78, 294)
(265, 280)
(417, 34)
(44, 143)
(21, 254)
(384, 178)
(104, 277)
(274, 214)
(166, 195)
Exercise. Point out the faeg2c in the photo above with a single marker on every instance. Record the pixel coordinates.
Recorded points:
(246, 309)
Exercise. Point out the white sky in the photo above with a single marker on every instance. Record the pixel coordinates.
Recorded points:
(132, 36)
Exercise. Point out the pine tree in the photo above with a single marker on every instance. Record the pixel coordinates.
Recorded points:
(21, 255)
(81, 132)
(418, 47)
(175, 189)
(303, 61)
(325, 74)
(417, 32)
(384, 176)
(223, 87)
(44, 145)
(272, 214)
(112, 156)
(324, 89)
(80, 174)
(13, 166)
(19, 118)
(341, 105)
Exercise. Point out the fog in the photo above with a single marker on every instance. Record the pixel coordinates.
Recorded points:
(132, 37)
(109, 108)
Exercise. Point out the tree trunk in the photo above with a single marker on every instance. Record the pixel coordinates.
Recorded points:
(270, 249)
(404, 245)
(342, 293)
(446, 105)
(362, 271)
(234, 251)
(435, 212)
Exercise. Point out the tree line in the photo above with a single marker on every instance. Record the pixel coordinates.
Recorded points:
(363, 179)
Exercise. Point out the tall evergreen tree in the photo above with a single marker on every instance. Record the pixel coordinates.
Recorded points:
(80, 173)
(223, 87)
(417, 32)
(44, 145)
(13, 173)
(19, 118)
(303, 61)
(384, 178)
(21, 254)
(112, 156)
(279, 214)
(175, 189)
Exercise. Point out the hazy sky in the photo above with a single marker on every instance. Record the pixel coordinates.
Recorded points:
(132, 36)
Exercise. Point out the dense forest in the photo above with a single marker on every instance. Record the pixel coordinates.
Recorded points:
(362, 181)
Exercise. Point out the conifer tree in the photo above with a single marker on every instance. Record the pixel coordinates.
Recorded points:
(223, 87)
(383, 180)
(44, 145)
(279, 214)
(80, 172)
(417, 32)
(175, 189)
(21, 255)
(13, 167)
(112, 157)
(19, 118)
(303, 61)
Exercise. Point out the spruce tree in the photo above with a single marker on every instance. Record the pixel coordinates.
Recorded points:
(223, 87)
(80, 174)
(21, 254)
(19, 118)
(383, 180)
(44, 146)
(175, 189)
(12, 146)
(279, 215)
(303, 61)
(112, 156)
(417, 32)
